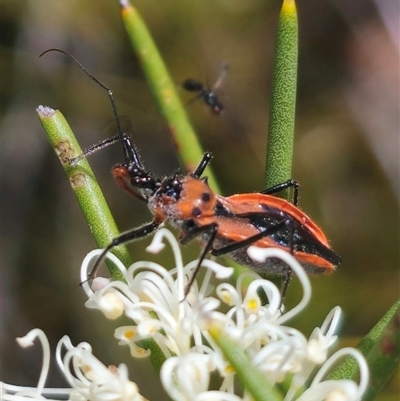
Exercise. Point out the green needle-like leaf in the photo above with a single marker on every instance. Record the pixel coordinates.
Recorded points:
(83, 183)
(249, 376)
(381, 348)
(283, 101)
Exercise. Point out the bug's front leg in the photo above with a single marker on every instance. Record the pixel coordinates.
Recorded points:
(127, 236)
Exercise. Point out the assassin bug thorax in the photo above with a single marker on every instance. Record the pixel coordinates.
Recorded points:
(225, 225)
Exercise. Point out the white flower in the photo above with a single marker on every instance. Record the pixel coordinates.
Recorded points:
(153, 298)
(129, 335)
(89, 378)
(338, 390)
(322, 338)
(191, 374)
(17, 393)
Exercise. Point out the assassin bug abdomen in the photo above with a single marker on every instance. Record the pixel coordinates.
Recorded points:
(277, 223)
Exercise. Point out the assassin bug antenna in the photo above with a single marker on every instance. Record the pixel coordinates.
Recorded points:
(130, 153)
(224, 225)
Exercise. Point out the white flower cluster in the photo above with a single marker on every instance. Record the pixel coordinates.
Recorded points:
(88, 377)
(153, 298)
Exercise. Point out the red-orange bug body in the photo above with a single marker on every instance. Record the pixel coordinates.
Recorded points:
(225, 225)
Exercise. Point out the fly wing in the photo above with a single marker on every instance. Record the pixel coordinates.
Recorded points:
(221, 77)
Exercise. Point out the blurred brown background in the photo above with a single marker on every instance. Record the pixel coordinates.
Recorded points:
(346, 150)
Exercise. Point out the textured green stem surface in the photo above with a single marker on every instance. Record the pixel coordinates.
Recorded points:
(164, 92)
(249, 376)
(283, 102)
(381, 348)
(84, 184)
(156, 357)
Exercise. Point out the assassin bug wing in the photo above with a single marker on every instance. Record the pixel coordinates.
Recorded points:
(261, 203)
(244, 219)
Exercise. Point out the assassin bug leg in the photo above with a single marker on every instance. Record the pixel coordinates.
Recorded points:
(94, 148)
(284, 185)
(210, 230)
(224, 225)
(123, 238)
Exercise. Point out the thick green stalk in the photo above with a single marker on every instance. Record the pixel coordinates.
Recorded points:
(283, 101)
(164, 92)
(83, 183)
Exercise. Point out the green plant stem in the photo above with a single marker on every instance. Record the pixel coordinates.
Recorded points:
(283, 102)
(252, 380)
(163, 89)
(90, 199)
(84, 184)
(157, 357)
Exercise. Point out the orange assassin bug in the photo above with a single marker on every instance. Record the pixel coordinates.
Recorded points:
(225, 225)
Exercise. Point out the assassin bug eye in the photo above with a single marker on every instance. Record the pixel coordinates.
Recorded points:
(205, 197)
(196, 212)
